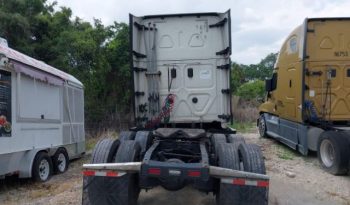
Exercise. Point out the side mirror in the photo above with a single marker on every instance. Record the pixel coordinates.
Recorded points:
(268, 85)
(271, 84)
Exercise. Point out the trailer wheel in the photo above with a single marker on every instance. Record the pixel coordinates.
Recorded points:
(252, 160)
(228, 158)
(126, 190)
(262, 126)
(42, 167)
(60, 161)
(98, 190)
(216, 140)
(236, 139)
(333, 152)
(144, 140)
(127, 135)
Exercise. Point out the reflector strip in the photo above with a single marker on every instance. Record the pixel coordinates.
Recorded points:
(238, 181)
(90, 173)
(245, 182)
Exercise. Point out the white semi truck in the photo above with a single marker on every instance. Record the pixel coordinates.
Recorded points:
(181, 73)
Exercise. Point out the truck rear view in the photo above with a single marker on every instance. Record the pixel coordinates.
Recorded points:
(308, 105)
(181, 73)
(187, 56)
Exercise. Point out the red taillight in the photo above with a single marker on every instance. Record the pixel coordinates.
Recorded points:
(89, 173)
(194, 173)
(154, 171)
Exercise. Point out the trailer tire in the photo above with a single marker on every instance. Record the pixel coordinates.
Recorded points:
(95, 187)
(228, 194)
(262, 126)
(144, 140)
(333, 143)
(216, 140)
(236, 139)
(127, 135)
(60, 161)
(105, 150)
(252, 160)
(126, 191)
(42, 167)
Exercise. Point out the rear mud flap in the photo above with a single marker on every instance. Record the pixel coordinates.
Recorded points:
(100, 190)
(246, 191)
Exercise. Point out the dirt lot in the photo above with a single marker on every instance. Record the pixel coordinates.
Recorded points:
(294, 180)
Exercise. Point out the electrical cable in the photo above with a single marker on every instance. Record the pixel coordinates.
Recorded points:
(164, 113)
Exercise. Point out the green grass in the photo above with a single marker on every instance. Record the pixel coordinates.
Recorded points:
(90, 143)
(243, 127)
(284, 152)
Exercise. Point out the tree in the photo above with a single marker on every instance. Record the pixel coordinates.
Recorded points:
(266, 65)
(251, 90)
(237, 76)
(97, 55)
(261, 70)
(241, 73)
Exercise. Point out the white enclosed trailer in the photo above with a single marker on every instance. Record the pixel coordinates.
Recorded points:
(41, 117)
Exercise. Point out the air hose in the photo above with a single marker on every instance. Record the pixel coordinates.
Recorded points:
(164, 113)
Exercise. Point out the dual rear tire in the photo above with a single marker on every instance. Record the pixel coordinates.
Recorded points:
(333, 151)
(123, 190)
(244, 157)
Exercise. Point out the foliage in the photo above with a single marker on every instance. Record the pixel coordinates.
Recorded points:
(251, 90)
(241, 73)
(237, 76)
(95, 54)
(262, 70)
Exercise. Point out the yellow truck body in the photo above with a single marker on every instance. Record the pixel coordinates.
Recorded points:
(309, 92)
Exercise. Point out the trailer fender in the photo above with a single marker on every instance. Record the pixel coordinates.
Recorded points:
(26, 165)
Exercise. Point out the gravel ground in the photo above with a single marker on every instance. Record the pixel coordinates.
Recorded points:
(294, 180)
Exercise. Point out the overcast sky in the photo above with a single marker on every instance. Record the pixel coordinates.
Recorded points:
(258, 27)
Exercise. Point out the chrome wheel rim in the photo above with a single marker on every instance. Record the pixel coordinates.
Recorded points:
(327, 153)
(44, 169)
(62, 162)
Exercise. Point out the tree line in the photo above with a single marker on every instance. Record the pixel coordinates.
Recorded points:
(96, 54)
(247, 81)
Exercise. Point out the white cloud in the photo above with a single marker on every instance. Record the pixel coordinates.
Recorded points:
(258, 27)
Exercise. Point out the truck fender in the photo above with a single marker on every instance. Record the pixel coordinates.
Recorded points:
(313, 134)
